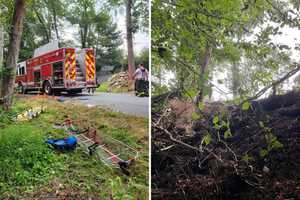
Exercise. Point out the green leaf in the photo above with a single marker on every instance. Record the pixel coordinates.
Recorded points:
(261, 124)
(224, 124)
(276, 144)
(263, 153)
(201, 105)
(195, 116)
(207, 139)
(191, 93)
(246, 105)
(227, 134)
(216, 120)
(247, 158)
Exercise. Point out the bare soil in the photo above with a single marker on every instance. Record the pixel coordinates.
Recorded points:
(260, 160)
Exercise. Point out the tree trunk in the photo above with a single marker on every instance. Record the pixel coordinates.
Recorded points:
(84, 27)
(85, 34)
(203, 70)
(1, 52)
(1, 45)
(41, 20)
(236, 82)
(55, 21)
(129, 33)
(274, 90)
(15, 34)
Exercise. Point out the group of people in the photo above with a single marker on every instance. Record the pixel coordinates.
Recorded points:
(141, 81)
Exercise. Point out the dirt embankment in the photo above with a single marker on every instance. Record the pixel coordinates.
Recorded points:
(224, 152)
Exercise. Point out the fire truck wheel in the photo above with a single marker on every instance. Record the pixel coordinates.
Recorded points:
(47, 88)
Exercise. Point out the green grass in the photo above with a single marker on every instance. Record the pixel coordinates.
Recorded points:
(25, 159)
(29, 169)
(103, 87)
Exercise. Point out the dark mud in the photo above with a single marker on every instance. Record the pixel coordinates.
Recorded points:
(259, 160)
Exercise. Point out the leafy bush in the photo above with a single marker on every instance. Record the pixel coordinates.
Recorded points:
(25, 158)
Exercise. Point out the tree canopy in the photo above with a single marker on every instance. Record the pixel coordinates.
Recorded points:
(203, 39)
(49, 20)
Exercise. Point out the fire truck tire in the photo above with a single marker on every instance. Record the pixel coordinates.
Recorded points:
(47, 88)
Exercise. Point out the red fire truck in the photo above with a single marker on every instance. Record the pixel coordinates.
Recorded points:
(64, 69)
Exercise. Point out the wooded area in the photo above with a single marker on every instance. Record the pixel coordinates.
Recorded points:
(225, 99)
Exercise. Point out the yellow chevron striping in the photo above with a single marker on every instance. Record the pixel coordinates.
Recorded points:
(88, 59)
(90, 66)
(73, 56)
(92, 71)
(90, 55)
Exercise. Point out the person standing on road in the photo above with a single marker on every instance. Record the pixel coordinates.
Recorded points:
(141, 81)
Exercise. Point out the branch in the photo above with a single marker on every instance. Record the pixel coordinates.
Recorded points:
(42, 23)
(185, 144)
(174, 139)
(190, 67)
(274, 84)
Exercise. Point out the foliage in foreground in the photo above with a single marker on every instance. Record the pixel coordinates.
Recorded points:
(25, 159)
(32, 170)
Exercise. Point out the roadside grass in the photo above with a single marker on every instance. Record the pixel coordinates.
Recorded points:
(31, 170)
(103, 87)
(120, 90)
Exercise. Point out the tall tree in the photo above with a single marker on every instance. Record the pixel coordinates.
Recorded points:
(97, 30)
(47, 16)
(129, 35)
(136, 19)
(182, 31)
(15, 34)
(3, 13)
(106, 40)
(1, 44)
(82, 12)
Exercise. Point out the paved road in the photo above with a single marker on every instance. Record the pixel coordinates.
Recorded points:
(123, 102)
(126, 103)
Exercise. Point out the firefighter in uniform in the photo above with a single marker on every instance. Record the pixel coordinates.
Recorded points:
(141, 81)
